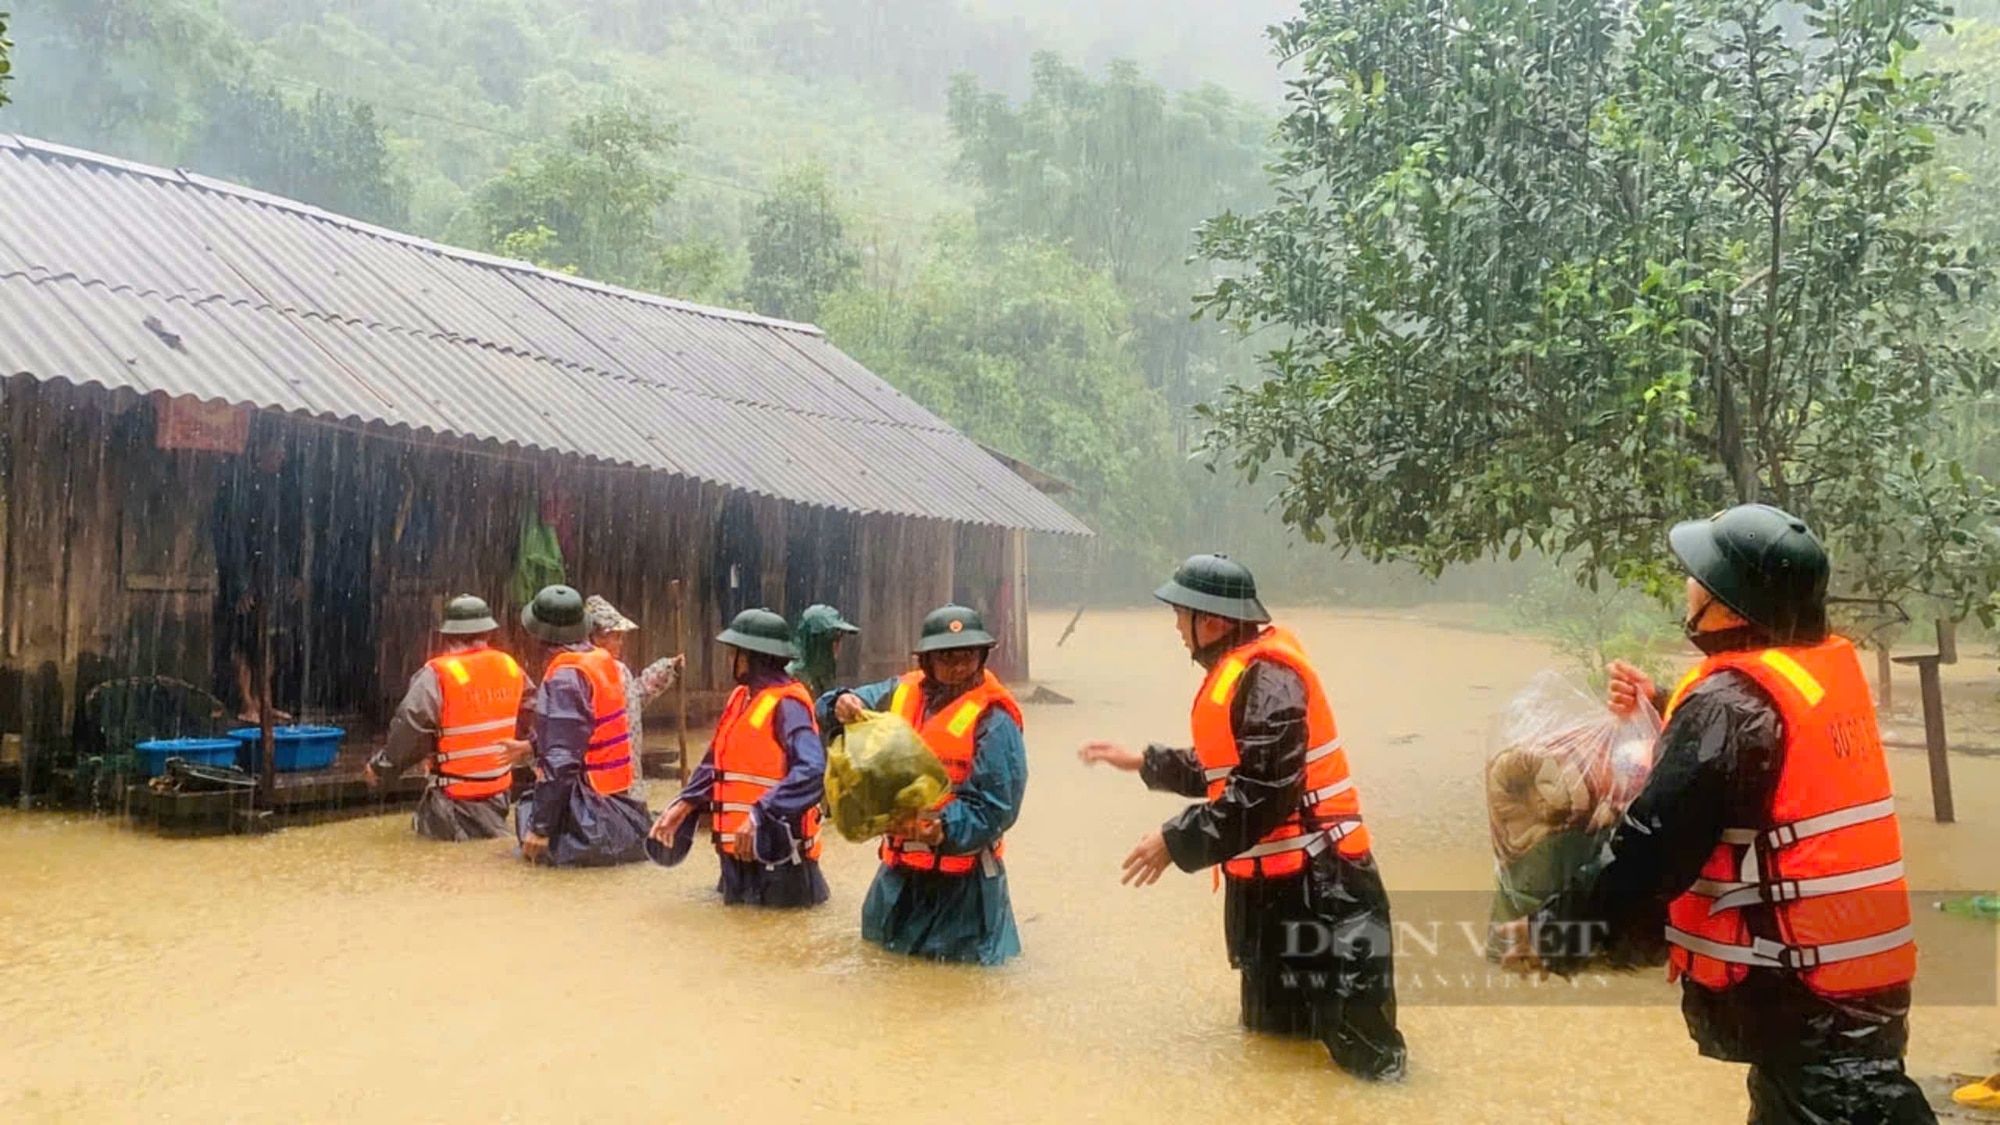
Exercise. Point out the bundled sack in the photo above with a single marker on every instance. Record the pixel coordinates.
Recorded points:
(878, 771)
(1562, 771)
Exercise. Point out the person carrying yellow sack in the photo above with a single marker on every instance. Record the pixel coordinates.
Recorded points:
(941, 891)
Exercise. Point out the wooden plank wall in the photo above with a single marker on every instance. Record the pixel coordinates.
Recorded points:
(107, 566)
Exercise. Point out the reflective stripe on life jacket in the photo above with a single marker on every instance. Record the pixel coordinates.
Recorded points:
(607, 760)
(750, 761)
(479, 692)
(952, 734)
(1329, 809)
(1817, 887)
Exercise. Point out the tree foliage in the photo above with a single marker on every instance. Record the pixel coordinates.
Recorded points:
(589, 202)
(1119, 171)
(330, 152)
(799, 251)
(1022, 347)
(1555, 275)
(124, 74)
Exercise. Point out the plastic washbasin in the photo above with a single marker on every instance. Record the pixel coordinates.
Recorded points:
(153, 755)
(298, 747)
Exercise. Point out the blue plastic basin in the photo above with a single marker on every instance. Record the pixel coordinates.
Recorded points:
(195, 751)
(298, 748)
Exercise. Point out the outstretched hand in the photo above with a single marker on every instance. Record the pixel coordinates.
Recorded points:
(1147, 861)
(1111, 754)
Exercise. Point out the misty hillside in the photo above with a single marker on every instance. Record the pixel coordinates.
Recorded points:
(1181, 42)
(751, 87)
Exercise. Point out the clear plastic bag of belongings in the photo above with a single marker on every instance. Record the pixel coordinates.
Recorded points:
(879, 771)
(1562, 771)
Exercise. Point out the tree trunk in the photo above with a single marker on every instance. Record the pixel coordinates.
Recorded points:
(1738, 460)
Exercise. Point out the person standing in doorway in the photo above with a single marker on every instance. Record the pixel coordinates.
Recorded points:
(1305, 911)
(461, 710)
(1765, 842)
(941, 891)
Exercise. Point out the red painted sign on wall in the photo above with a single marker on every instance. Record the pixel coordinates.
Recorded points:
(184, 423)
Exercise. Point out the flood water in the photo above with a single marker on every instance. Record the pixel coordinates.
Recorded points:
(352, 972)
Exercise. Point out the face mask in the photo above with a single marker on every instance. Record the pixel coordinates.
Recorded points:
(1691, 626)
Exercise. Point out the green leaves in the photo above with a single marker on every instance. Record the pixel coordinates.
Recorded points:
(597, 192)
(1021, 346)
(799, 251)
(1581, 270)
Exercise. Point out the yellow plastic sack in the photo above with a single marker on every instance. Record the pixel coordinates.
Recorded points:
(878, 771)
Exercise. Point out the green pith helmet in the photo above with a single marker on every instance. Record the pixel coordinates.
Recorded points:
(1215, 584)
(556, 616)
(760, 630)
(954, 626)
(467, 616)
(1762, 562)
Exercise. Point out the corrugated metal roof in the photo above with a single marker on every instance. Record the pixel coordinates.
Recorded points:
(137, 278)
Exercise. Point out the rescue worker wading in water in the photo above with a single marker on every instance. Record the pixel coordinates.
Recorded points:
(458, 718)
(762, 780)
(582, 811)
(1765, 845)
(1305, 913)
(941, 891)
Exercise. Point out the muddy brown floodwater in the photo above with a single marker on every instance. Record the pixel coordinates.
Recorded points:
(351, 972)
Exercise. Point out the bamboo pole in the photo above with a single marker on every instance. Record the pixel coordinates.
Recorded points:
(677, 599)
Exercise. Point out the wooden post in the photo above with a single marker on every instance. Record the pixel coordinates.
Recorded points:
(1932, 687)
(267, 772)
(1885, 684)
(677, 600)
(1934, 744)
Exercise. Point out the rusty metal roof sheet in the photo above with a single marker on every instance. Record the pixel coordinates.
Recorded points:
(130, 277)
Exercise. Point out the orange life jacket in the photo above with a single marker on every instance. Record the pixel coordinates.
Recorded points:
(1825, 862)
(1329, 810)
(750, 762)
(951, 735)
(480, 693)
(607, 760)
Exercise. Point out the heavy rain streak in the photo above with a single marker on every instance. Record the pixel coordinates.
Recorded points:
(999, 560)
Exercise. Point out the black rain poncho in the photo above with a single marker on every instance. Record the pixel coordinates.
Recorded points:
(1339, 991)
(1812, 1059)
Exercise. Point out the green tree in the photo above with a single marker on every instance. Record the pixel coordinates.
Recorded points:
(1555, 275)
(1021, 346)
(123, 75)
(596, 194)
(331, 153)
(1120, 171)
(799, 251)
(6, 67)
